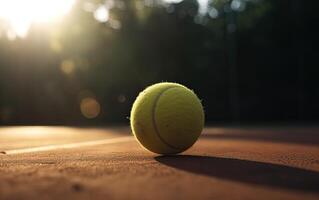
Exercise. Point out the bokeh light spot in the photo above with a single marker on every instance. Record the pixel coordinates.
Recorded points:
(101, 14)
(90, 107)
(238, 5)
(121, 98)
(67, 66)
(213, 13)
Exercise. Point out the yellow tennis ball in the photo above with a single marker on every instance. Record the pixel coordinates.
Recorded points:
(167, 118)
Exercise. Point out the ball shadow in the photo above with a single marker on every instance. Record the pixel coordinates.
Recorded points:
(307, 135)
(259, 173)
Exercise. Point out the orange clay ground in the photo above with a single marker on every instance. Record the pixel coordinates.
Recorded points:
(107, 163)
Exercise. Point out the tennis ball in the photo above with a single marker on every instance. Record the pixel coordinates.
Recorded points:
(167, 118)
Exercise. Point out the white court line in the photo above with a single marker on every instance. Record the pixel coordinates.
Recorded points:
(69, 146)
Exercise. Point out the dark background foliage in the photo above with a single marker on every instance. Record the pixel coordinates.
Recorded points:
(248, 60)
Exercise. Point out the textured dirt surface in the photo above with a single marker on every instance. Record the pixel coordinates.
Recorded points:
(225, 163)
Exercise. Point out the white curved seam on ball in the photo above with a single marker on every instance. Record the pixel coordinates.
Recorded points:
(154, 121)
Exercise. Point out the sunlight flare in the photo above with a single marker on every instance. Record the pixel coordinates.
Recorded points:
(20, 14)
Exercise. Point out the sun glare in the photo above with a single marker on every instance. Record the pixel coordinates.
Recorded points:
(20, 14)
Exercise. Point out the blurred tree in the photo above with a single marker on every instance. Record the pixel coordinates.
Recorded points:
(248, 60)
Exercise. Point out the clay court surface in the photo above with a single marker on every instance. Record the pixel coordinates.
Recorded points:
(107, 163)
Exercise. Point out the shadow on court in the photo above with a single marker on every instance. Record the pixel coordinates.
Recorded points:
(246, 171)
(298, 136)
